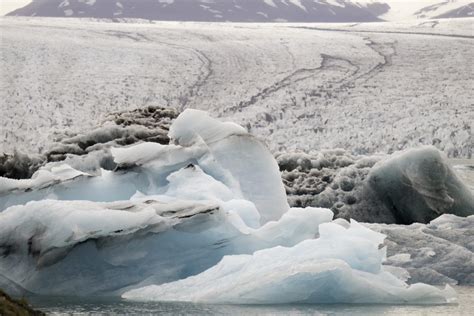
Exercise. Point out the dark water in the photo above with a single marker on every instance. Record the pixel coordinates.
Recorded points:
(115, 306)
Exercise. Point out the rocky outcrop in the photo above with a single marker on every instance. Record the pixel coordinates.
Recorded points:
(13, 307)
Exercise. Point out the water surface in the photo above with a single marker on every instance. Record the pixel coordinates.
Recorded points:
(116, 306)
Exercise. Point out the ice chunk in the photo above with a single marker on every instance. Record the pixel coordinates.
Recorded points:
(342, 266)
(245, 157)
(41, 179)
(192, 183)
(419, 185)
(193, 126)
(108, 245)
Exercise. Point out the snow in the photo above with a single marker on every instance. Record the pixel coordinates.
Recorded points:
(297, 3)
(401, 10)
(341, 266)
(64, 3)
(270, 3)
(416, 9)
(335, 3)
(88, 2)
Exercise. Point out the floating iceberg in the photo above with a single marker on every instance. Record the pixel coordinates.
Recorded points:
(168, 214)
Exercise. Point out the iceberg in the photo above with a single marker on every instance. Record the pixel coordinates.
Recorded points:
(418, 185)
(166, 212)
(207, 212)
(108, 246)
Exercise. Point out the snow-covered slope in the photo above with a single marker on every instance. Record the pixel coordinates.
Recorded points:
(424, 9)
(250, 11)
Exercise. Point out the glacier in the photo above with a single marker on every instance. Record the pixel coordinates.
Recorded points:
(209, 208)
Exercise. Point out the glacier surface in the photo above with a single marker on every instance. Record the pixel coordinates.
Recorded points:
(298, 87)
(169, 212)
